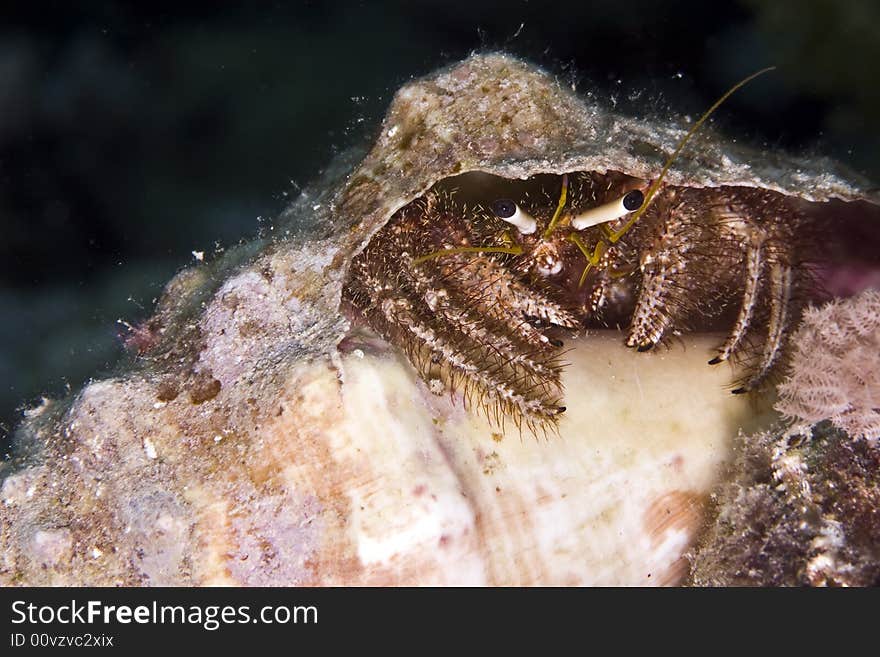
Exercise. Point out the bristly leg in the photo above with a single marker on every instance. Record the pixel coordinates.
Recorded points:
(683, 253)
(465, 321)
(754, 268)
(776, 248)
(701, 248)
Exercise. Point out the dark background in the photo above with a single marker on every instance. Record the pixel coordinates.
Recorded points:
(132, 134)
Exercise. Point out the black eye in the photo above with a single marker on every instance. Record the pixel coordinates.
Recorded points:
(633, 200)
(504, 208)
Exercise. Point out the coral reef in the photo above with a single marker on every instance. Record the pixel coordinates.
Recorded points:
(795, 514)
(803, 505)
(374, 480)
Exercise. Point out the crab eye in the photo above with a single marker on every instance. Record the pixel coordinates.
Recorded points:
(504, 208)
(508, 211)
(633, 200)
(629, 202)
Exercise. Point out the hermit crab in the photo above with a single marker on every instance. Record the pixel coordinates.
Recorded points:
(478, 279)
(263, 435)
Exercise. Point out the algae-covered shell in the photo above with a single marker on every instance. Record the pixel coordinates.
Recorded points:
(243, 448)
(500, 115)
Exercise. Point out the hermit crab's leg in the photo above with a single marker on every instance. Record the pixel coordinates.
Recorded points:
(493, 291)
(770, 228)
(525, 401)
(653, 315)
(780, 301)
(665, 280)
(489, 306)
(526, 362)
(754, 268)
(445, 352)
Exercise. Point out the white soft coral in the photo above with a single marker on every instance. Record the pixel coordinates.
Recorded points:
(835, 367)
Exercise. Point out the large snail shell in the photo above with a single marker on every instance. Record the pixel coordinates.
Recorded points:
(242, 448)
(374, 480)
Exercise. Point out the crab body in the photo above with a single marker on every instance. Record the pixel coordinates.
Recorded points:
(479, 290)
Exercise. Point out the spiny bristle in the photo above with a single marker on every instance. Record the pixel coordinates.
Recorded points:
(462, 319)
(676, 271)
(702, 251)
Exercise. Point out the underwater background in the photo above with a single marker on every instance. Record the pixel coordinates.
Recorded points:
(135, 134)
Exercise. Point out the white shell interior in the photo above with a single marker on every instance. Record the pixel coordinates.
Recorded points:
(615, 499)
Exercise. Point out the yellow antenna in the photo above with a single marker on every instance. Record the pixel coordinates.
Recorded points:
(515, 250)
(595, 257)
(563, 195)
(652, 190)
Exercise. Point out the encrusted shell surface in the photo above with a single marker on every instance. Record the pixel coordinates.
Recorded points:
(242, 448)
(498, 114)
